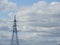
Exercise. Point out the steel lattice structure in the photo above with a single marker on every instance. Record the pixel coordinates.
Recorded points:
(14, 40)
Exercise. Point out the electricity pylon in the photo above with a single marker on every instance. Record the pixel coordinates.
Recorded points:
(14, 40)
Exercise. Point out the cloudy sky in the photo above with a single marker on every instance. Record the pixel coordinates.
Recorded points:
(40, 17)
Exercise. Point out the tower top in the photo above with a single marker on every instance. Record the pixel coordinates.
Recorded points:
(14, 25)
(14, 18)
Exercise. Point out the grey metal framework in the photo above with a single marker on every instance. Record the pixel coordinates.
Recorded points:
(14, 40)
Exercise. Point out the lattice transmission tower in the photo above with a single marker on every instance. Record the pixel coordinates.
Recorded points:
(14, 40)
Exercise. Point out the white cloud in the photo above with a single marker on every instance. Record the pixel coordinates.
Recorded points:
(41, 16)
(5, 5)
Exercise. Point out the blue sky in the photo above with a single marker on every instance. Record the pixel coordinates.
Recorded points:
(24, 2)
(3, 15)
(29, 2)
